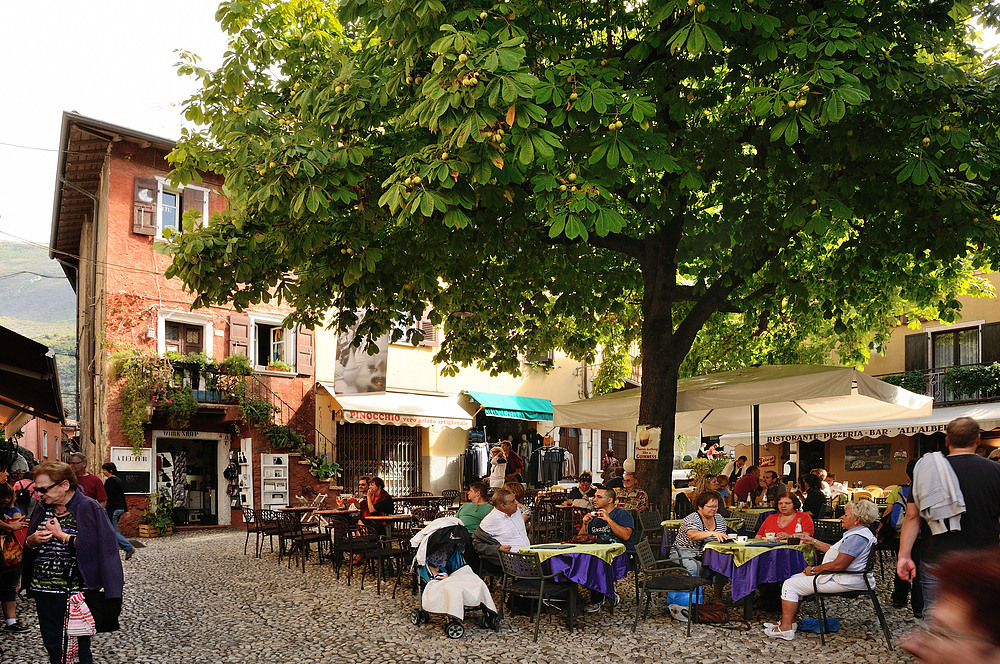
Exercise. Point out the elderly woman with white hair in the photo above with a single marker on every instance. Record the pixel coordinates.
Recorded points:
(850, 554)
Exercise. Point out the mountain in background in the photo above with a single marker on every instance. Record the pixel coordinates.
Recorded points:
(37, 301)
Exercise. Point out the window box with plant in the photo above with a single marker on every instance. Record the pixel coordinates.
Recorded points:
(279, 366)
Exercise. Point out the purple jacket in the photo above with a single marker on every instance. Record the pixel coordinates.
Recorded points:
(96, 547)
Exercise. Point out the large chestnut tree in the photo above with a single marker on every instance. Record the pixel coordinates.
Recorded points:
(576, 172)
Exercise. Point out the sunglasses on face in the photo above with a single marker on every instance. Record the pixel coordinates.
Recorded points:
(42, 490)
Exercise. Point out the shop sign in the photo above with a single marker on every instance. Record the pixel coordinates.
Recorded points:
(134, 470)
(765, 461)
(402, 419)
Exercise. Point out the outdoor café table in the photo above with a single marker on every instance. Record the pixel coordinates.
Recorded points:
(748, 566)
(388, 520)
(595, 566)
(673, 526)
(299, 510)
(752, 518)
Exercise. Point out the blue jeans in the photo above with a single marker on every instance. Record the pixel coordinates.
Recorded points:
(123, 543)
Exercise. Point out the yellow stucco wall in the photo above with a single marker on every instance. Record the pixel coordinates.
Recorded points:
(892, 358)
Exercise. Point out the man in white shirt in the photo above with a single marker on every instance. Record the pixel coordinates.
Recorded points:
(500, 530)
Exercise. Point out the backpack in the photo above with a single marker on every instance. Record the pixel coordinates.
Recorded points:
(899, 508)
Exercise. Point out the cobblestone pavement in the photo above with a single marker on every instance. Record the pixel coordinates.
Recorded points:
(195, 598)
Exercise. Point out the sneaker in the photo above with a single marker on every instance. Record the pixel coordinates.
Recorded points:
(16, 628)
(129, 554)
(593, 608)
(776, 633)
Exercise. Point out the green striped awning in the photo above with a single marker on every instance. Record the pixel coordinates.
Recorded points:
(512, 406)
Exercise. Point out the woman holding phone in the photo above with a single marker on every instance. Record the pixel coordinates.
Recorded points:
(71, 547)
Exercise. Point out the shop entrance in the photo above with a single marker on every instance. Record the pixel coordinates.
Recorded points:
(189, 468)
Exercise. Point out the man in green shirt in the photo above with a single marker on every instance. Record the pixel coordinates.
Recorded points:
(472, 512)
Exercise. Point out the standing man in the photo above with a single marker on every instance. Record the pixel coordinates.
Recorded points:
(515, 465)
(787, 469)
(968, 518)
(748, 486)
(90, 484)
(115, 490)
(770, 489)
(734, 469)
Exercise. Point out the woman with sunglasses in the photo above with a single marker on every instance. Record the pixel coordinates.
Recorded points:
(71, 547)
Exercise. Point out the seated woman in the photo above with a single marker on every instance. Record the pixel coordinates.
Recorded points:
(584, 490)
(789, 521)
(813, 498)
(850, 554)
(703, 525)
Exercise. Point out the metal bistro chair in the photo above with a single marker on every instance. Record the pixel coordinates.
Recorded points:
(450, 498)
(523, 577)
(650, 528)
(298, 539)
(663, 576)
(266, 526)
(869, 592)
(828, 532)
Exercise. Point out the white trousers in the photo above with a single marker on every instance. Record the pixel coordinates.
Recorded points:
(796, 587)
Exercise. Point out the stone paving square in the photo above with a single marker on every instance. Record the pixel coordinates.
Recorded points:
(194, 598)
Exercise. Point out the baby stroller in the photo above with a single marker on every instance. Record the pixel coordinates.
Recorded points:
(446, 582)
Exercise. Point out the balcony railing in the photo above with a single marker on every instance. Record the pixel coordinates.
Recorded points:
(935, 386)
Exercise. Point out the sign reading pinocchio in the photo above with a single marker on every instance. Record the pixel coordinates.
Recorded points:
(399, 419)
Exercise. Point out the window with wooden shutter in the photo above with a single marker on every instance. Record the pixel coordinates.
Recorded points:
(239, 335)
(194, 200)
(183, 338)
(430, 333)
(916, 352)
(991, 343)
(145, 201)
(304, 363)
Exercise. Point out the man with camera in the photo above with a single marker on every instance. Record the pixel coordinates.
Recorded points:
(609, 524)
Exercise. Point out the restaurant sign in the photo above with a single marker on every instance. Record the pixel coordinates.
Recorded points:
(765, 461)
(134, 470)
(403, 419)
(857, 434)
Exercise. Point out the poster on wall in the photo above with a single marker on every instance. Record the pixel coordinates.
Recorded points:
(766, 461)
(647, 443)
(134, 470)
(358, 371)
(868, 457)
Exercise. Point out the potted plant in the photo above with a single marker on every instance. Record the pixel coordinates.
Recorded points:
(324, 470)
(278, 365)
(158, 518)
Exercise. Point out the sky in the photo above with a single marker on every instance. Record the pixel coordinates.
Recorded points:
(112, 60)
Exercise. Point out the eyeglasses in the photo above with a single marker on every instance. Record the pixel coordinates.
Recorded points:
(78, 463)
(42, 490)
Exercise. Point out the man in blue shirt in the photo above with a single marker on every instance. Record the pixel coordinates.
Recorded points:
(609, 524)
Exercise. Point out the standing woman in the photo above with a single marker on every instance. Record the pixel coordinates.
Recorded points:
(71, 547)
(608, 464)
(115, 488)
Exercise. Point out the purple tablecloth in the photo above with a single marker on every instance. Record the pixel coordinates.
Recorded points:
(588, 570)
(772, 566)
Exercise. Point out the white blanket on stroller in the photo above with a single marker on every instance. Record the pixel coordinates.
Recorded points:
(451, 595)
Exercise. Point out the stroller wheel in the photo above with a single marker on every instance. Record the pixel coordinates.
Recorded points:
(491, 621)
(454, 629)
(415, 617)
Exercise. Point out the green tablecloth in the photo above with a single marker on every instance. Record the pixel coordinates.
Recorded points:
(606, 552)
(742, 553)
(751, 510)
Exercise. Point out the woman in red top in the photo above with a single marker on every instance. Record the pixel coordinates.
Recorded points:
(788, 522)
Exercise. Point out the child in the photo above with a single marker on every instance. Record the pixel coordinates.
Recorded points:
(10, 577)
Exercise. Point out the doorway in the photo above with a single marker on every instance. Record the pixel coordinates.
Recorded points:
(188, 468)
(811, 455)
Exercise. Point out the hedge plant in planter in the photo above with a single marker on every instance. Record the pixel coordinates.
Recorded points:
(159, 515)
(914, 381)
(967, 381)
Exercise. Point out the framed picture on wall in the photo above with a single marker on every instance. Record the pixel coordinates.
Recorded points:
(868, 457)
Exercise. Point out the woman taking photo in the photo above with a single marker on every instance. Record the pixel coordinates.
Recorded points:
(71, 547)
(789, 521)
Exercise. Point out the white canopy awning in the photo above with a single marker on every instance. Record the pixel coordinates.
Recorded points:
(788, 396)
(401, 409)
(987, 414)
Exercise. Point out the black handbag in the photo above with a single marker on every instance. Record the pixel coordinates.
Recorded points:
(105, 610)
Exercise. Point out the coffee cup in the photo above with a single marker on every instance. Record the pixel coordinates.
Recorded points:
(741, 539)
(769, 536)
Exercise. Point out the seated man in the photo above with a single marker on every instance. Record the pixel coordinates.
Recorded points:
(631, 497)
(473, 512)
(770, 489)
(748, 486)
(500, 530)
(609, 524)
(616, 481)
